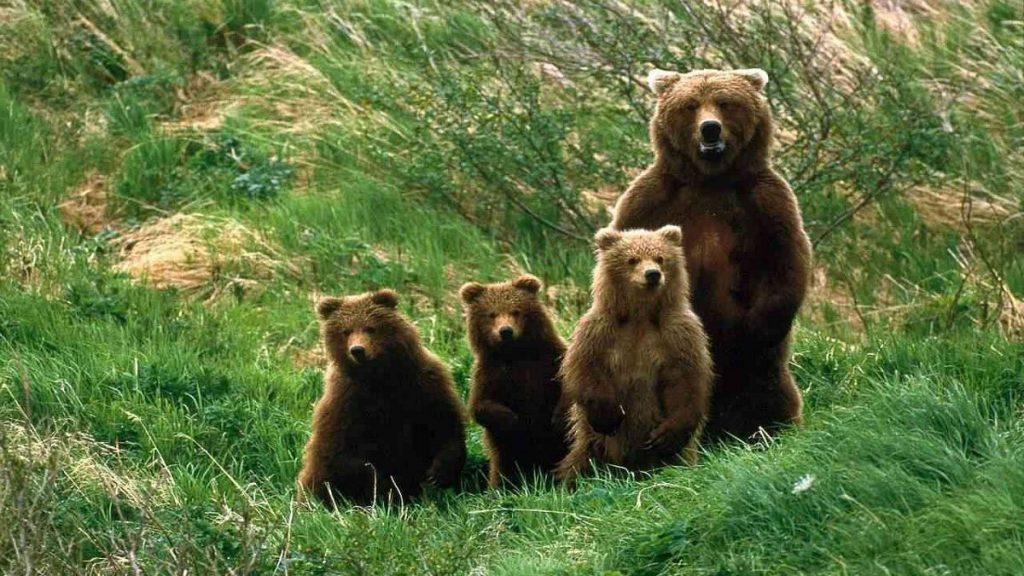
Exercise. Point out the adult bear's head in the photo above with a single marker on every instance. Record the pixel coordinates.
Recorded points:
(714, 120)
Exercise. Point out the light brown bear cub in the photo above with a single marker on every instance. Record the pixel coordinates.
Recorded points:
(389, 420)
(638, 368)
(516, 393)
(747, 254)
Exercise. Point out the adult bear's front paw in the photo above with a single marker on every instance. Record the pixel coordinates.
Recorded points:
(603, 414)
(667, 440)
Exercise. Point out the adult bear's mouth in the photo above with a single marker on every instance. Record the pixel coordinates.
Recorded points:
(712, 152)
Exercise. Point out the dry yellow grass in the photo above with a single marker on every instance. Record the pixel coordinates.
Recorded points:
(200, 255)
(86, 207)
(949, 207)
(83, 461)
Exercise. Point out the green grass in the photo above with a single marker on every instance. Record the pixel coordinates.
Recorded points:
(382, 143)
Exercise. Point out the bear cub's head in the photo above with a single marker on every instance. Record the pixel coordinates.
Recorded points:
(505, 315)
(365, 330)
(711, 117)
(640, 265)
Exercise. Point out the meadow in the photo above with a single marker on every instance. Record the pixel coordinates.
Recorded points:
(179, 180)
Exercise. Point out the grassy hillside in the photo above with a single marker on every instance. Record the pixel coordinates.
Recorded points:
(178, 179)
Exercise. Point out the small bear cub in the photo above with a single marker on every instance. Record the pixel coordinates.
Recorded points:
(516, 394)
(638, 368)
(389, 420)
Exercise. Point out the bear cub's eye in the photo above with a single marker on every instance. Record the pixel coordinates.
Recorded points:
(659, 260)
(370, 330)
(493, 315)
(634, 261)
(515, 313)
(691, 106)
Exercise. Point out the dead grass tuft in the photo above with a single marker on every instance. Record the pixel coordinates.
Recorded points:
(314, 357)
(200, 255)
(86, 208)
(300, 97)
(944, 207)
(82, 460)
(601, 200)
(201, 105)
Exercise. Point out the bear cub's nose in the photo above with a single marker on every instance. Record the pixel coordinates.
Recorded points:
(653, 276)
(710, 131)
(506, 332)
(357, 352)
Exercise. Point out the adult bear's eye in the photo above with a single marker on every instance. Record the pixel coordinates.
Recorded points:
(370, 330)
(634, 261)
(659, 260)
(691, 106)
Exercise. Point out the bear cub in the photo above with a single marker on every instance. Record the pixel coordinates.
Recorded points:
(638, 368)
(516, 393)
(389, 420)
(747, 255)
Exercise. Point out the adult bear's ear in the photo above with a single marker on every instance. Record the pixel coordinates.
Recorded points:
(528, 283)
(327, 305)
(385, 297)
(661, 80)
(673, 234)
(470, 291)
(758, 78)
(606, 238)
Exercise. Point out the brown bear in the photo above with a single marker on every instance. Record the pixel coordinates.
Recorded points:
(747, 254)
(516, 394)
(389, 420)
(638, 368)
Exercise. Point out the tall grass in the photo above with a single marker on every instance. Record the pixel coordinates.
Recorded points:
(152, 425)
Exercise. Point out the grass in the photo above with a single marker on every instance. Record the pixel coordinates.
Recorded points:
(152, 417)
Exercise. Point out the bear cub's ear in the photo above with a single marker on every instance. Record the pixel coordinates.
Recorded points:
(674, 234)
(385, 297)
(527, 283)
(471, 291)
(661, 80)
(327, 305)
(758, 78)
(606, 238)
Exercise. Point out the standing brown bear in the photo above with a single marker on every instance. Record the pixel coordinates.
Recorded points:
(516, 394)
(747, 254)
(389, 420)
(638, 368)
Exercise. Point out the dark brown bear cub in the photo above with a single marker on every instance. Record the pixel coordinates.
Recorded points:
(746, 251)
(638, 369)
(516, 394)
(389, 420)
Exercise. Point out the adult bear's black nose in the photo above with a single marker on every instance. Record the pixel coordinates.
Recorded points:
(653, 276)
(710, 131)
(357, 352)
(506, 332)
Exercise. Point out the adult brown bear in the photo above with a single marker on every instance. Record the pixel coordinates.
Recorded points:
(747, 254)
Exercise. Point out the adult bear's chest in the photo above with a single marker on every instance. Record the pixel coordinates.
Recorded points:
(716, 236)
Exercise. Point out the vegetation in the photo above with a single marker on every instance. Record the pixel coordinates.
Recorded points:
(178, 178)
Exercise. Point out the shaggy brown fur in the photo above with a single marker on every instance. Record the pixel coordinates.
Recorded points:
(389, 420)
(516, 394)
(638, 367)
(747, 254)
